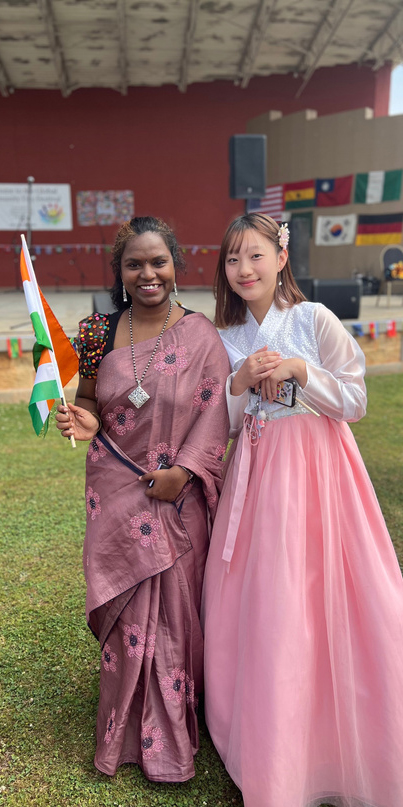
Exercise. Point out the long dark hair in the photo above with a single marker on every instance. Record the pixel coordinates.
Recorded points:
(230, 307)
(130, 229)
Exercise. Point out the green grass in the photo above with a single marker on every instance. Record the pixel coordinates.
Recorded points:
(49, 659)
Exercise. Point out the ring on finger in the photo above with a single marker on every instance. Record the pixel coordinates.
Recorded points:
(259, 360)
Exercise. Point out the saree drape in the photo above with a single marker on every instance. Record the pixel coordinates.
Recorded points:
(143, 558)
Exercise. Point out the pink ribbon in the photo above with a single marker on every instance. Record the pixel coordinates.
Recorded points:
(239, 487)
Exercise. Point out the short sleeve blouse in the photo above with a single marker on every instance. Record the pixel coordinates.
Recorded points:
(90, 343)
(95, 339)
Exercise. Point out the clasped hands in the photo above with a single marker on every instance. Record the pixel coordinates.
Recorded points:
(265, 369)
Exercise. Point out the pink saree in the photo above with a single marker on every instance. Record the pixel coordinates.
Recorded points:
(144, 559)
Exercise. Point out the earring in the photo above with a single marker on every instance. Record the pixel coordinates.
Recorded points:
(175, 289)
(280, 282)
(124, 295)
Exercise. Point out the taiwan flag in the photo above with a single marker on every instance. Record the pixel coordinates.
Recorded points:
(333, 192)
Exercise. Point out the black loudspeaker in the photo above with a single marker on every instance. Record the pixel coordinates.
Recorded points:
(298, 248)
(247, 160)
(102, 303)
(305, 284)
(341, 296)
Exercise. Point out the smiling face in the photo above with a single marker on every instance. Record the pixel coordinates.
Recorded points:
(147, 270)
(252, 270)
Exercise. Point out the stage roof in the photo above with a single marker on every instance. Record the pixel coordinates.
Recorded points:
(69, 44)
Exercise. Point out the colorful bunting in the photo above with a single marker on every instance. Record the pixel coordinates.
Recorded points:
(373, 330)
(358, 329)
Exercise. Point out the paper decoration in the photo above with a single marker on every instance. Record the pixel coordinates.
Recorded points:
(333, 231)
(380, 229)
(373, 330)
(358, 329)
(104, 207)
(394, 271)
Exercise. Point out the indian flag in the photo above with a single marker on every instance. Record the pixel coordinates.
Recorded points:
(52, 349)
(378, 186)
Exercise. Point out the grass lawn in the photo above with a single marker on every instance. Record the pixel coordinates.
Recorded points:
(49, 659)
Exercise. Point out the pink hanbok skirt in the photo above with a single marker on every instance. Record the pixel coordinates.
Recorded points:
(304, 627)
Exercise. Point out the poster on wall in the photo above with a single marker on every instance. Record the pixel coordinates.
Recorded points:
(333, 231)
(104, 207)
(50, 207)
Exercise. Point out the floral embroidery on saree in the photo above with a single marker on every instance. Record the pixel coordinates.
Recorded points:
(146, 529)
(93, 505)
(171, 359)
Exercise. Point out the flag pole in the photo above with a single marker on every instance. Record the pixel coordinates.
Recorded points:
(44, 320)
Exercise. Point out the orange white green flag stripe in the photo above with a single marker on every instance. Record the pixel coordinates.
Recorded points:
(52, 348)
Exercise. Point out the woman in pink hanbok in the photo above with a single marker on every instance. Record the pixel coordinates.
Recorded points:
(303, 595)
(151, 402)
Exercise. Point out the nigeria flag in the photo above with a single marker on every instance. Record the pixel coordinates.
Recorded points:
(378, 186)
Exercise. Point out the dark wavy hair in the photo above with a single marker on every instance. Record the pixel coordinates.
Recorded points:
(130, 229)
(230, 307)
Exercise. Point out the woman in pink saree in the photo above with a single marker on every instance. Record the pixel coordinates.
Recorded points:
(151, 401)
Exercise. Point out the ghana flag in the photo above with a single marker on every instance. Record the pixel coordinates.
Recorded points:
(299, 194)
(385, 229)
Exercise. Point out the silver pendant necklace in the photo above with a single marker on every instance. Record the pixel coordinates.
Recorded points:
(139, 396)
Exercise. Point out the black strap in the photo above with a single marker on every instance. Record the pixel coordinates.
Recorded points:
(119, 456)
(128, 464)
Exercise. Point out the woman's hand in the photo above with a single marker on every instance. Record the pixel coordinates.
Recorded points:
(255, 369)
(288, 368)
(75, 421)
(168, 483)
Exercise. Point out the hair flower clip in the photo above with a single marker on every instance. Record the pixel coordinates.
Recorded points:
(283, 236)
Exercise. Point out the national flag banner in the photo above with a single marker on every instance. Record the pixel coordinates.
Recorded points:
(358, 329)
(272, 203)
(55, 359)
(333, 192)
(14, 348)
(333, 231)
(380, 229)
(391, 329)
(299, 194)
(378, 186)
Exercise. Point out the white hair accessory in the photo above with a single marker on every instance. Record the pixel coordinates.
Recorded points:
(283, 236)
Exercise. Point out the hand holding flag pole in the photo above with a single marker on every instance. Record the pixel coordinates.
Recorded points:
(52, 348)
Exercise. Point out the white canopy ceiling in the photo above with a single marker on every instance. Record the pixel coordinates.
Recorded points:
(67, 44)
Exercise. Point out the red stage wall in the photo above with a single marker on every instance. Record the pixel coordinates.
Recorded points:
(169, 148)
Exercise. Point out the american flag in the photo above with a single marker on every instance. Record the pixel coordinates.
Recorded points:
(272, 203)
